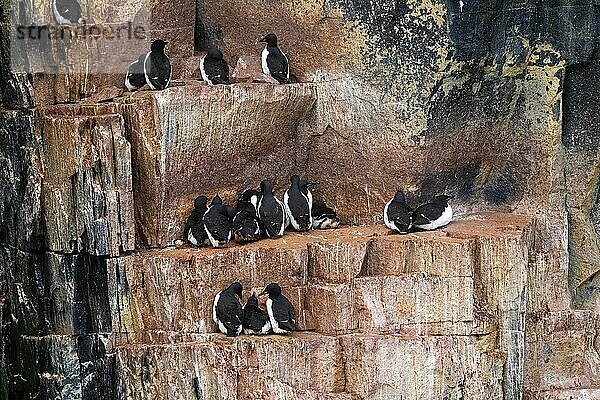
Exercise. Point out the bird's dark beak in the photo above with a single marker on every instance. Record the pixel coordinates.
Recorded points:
(263, 293)
(262, 40)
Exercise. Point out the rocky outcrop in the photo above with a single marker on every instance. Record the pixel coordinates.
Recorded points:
(208, 139)
(491, 102)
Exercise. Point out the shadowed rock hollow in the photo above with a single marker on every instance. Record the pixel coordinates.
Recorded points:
(495, 103)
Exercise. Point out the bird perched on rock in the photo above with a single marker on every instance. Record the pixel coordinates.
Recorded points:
(298, 204)
(227, 310)
(433, 215)
(249, 197)
(194, 231)
(246, 226)
(135, 77)
(271, 211)
(157, 66)
(323, 216)
(274, 61)
(256, 320)
(67, 12)
(281, 311)
(397, 215)
(217, 222)
(214, 68)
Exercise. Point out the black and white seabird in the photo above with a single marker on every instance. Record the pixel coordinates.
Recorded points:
(433, 215)
(298, 204)
(281, 311)
(157, 66)
(397, 215)
(323, 216)
(194, 232)
(135, 77)
(67, 12)
(246, 226)
(214, 68)
(217, 222)
(256, 320)
(249, 196)
(227, 310)
(271, 211)
(274, 61)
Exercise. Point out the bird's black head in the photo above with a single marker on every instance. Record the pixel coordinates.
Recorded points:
(235, 288)
(272, 289)
(295, 179)
(399, 197)
(442, 199)
(252, 301)
(158, 45)
(200, 202)
(266, 187)
(216, 201)
(270, 40)
(214, 53)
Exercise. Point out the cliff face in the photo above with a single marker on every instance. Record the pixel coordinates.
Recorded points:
(493, 102)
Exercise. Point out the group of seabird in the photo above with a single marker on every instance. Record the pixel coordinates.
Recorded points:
(154, 68)
(257, 214)
(231, 319)
(401, 218)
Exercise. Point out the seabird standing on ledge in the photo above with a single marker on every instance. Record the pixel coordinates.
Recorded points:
(157, 66)
(298, 204)
(280, 309)
(135, 78)
(217, 222)
(194, 231)
(227, 310)
(271, 211)
(274, 61)
(256, 320)
(214, 68)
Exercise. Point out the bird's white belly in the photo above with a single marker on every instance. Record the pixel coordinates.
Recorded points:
(203, 72)
(443, 220)
(265, 67)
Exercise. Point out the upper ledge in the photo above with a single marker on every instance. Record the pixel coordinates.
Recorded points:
(194, 89)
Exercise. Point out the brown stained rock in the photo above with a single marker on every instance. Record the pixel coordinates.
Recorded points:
(181, 136)
(434, 256)
(183, 371)
(562, 349)
(248, 69)
(387, 304)
(303, 366)
(394, 367)
(88, 195)
(106, 94)
(340, 261)
(298, 362)
(581, 394)
(330, 309)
